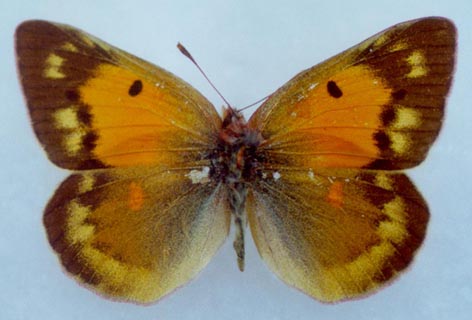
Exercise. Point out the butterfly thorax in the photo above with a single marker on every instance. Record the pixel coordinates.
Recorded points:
(235, 163)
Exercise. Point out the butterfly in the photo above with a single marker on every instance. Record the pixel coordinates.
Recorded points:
(158, 175)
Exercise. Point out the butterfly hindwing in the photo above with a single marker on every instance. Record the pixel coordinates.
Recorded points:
(136, 234)
(95, 106)
(337, 234)
(378, 105)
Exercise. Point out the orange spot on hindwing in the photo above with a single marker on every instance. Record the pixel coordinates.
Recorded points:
(135, 196)
(335, 195)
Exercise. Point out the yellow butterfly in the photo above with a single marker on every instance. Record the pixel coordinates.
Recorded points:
(158, 174)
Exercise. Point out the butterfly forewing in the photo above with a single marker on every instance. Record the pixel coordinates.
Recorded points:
(95, 106)
(377, 105)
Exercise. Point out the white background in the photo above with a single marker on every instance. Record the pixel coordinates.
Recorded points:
(249, 48)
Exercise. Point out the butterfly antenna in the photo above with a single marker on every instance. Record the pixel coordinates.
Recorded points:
(254, 103)
(188, 55)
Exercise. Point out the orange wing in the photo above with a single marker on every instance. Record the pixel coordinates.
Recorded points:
(378, 105)
(95, 106)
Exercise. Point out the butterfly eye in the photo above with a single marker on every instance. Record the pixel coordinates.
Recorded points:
(334, 90)
(135, 88)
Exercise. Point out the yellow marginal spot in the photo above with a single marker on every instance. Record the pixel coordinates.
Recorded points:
(123, 280)
(355, 276)
(135, 196)
(77, 231)
(69, 47)
(53, 66)
(380, 41)
(91, 41)
(73, 141)
(400, 142)
(406, 118)
(86, 184)
(87, 40)
(417, 62)
(398, 46)
(394, 228)
(383, 180)
(67, 118)
(335, 194)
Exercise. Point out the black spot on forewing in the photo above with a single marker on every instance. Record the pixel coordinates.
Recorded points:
(135, 88)
(334, 90)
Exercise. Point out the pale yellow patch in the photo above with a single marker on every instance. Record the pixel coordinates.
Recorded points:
(116, 274)
(69, 47)
(417, 62)
(398, 46)
(395, 209)
(87, 40)
(354, 274)
(383, 180)
(53, 67)
(86, 184)
(380, 41)
(73, 141)
(400, 142)
(67, 118)
(406, 118)
(91, 41)
(394, 229)
(368, 262)
(77, 231)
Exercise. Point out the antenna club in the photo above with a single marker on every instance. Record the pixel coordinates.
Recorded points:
(186, 53)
